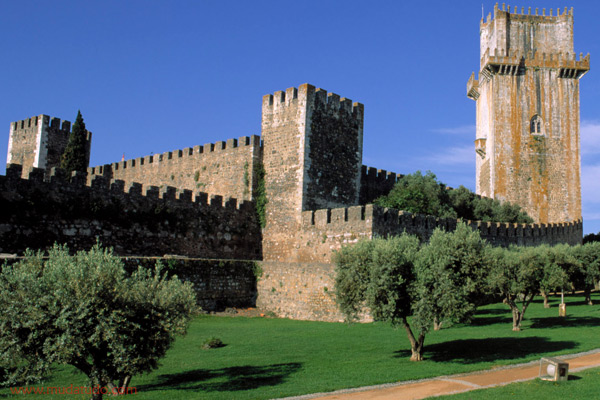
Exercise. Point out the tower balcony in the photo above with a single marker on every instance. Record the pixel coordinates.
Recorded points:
(480, 147)
(473, 87)
(515, 63)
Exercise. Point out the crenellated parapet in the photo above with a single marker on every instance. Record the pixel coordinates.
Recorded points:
(134, 218)
(324, 231)
(312, 97)
(225, 168)
(375, 183)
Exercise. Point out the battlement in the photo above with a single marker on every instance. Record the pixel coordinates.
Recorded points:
(133, 218)
(57, 177)
(188, 152)
(506, 11)
(309, 95)
(375, 183)
(522, 33)
(43, 120)
(386, 221)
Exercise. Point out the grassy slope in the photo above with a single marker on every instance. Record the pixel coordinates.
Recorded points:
(267, 358)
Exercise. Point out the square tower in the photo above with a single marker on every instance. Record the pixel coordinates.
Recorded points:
(312, 155)
(39, 142)
(527, 95)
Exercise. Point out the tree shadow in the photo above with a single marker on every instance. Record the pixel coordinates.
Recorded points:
(225, 379)
(568, 321)
(482, 321)
(493, 311)
(471, 351)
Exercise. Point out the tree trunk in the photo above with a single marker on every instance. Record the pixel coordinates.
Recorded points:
(437, 325)
(416, 345)
(517, 316)
(114, 391)
(588, 296)
(545, 296)
(124, 384)
(96, 392)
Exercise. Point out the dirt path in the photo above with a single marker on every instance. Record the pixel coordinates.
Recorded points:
(444, 385)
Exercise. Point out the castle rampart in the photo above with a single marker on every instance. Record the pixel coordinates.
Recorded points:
(325, 231)
(42, 209)
(226, 168)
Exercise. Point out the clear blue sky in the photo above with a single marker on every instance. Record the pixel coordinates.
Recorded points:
(154, 76)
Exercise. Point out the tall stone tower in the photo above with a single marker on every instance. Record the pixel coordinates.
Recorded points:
(312, 155)
(527, 95)
(39, 142)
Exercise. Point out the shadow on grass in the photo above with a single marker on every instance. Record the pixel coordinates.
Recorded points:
(225, 379)
(471, 351)
(493, 311)
(482, 321)
(568, 321)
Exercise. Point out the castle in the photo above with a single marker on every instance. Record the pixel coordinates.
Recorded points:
(200, 201)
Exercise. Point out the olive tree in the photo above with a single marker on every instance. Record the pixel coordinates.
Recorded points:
(378, 275)
(397, 278)
(450, 276)
(519, 274)
(588, 276)
(88, 312)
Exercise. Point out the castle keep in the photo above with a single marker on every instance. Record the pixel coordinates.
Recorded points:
(527, 97)
(200, 201)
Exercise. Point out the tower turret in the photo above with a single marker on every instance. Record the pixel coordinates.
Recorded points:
(312, 155)
(527, 95)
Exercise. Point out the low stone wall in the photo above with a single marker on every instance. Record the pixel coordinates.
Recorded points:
(219, 284)
(299, 291)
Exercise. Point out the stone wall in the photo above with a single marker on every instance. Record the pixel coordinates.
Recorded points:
(218, 284)
(299, 291)
(325, 231)
(135, 220)
(224, 168)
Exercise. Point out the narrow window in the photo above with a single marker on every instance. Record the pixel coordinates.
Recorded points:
(536, 126)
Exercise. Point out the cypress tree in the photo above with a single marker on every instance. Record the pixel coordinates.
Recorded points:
(75, 156)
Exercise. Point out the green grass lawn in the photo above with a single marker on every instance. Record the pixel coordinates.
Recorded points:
(268, 358)
(581, 385)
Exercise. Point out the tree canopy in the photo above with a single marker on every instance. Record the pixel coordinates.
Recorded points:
(424, 194)
(75, 157)
(86, 311)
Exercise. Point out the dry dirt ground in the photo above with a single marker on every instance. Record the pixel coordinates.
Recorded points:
(444, 385)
